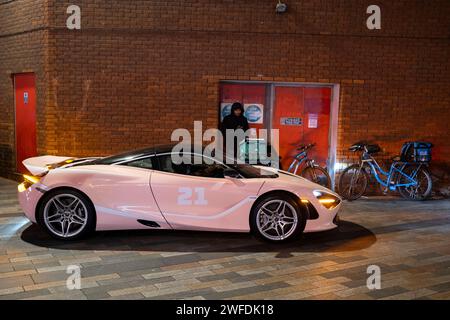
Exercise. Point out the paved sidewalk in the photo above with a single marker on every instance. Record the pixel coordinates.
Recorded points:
(409, 241)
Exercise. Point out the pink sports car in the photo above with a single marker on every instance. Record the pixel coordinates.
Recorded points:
(146, 189)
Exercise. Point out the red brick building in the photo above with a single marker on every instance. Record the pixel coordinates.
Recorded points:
(139, 69)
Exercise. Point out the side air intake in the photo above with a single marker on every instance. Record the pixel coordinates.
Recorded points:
(151, 224)
(312, 212)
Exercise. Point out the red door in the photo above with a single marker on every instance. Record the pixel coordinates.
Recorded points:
(25, 102)
(302, 115)
(317, 103)
(288, 119)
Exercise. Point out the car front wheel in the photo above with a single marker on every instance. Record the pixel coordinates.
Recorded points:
(66, 214)
(277, 218)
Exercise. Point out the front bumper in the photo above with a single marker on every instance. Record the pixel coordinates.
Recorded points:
(337, 219)
(327, 217)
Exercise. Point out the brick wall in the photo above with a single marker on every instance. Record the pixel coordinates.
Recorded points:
(23, 38)
(139, 69)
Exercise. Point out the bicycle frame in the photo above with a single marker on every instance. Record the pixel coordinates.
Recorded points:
(298, 160)
(389, 183)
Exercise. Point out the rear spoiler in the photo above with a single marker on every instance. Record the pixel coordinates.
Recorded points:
(41, 165)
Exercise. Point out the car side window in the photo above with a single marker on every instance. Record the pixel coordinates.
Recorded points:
(197, 167)
(146, 163)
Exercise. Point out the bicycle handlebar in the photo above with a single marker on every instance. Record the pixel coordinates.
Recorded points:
(306, 147)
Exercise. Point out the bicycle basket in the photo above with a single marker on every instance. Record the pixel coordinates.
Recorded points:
(417, 151)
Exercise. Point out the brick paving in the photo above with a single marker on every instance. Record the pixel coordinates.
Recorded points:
(409, 241)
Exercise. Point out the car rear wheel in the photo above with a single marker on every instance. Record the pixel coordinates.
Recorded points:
(66, 214)
(277, 218)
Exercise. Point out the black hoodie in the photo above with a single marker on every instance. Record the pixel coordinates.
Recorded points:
(233, 122)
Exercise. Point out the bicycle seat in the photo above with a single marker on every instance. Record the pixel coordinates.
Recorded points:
(360, 146)
(396, 158)
(357, 146)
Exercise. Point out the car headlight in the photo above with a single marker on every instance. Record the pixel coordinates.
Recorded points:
(28, 182)
(326, 199)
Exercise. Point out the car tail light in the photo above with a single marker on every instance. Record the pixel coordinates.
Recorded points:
(28, 182)
(59, 164)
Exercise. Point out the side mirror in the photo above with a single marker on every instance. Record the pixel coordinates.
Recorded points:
(230, 173)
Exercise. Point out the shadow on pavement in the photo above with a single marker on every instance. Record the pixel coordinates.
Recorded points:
(348, 237)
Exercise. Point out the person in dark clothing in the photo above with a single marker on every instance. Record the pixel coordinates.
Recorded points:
(234, 121)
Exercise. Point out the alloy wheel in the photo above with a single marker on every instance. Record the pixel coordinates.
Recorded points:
(276, 220)
(65, 215)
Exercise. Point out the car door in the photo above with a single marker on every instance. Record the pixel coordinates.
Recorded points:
(121, 194)
(198, 196)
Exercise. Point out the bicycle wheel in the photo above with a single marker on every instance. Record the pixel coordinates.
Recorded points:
(421, 190)
(317, 175)
(353, 182)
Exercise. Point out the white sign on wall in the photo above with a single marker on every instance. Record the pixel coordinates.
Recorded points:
(254, 112)
(225, 109)
(313, 120)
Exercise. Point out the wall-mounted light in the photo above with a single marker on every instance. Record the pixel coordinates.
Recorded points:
(281, 7)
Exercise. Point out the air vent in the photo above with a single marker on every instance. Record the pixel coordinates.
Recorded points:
(312, 212)
(151, 224)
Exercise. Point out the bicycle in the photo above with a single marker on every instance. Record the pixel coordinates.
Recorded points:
(411, 179)
(310, 170)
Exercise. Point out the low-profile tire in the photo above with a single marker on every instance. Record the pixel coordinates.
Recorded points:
(66, 214)
(277, 218)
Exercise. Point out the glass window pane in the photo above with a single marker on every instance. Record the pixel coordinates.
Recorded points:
(195, 167)
(141, 163)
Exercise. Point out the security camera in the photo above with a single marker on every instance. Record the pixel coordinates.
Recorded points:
(281, 7)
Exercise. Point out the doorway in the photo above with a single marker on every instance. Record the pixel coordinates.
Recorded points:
(25, 118)
(303, 113)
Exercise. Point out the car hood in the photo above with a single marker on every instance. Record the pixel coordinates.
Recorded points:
(296, 181)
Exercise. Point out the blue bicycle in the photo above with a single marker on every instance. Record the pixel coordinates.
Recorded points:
(410, 178)
(310, 170)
